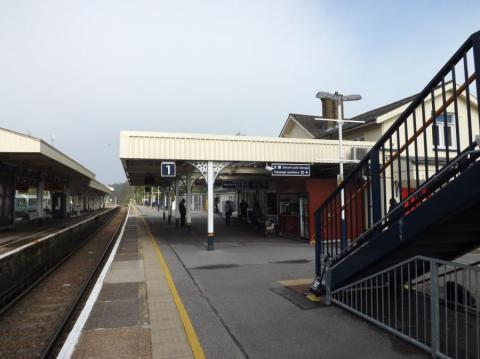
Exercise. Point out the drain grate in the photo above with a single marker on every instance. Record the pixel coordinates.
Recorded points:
(292, 261)
(298, 299)
(217, 266)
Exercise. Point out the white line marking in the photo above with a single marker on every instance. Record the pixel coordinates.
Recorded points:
(74, 335)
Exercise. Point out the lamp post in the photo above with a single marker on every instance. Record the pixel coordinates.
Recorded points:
(339, 99)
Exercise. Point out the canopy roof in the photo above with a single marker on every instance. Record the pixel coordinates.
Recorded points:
(28, 152)
(142, 152)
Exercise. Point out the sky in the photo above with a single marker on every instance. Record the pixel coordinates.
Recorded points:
(82, 71)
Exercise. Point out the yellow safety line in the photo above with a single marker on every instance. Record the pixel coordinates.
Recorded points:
(187, 324)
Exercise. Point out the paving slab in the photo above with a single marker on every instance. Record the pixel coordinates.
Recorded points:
(117, 314)
(126, 275)
(121, 291)
(121, 343)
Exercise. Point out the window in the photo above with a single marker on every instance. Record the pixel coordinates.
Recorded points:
(21, 202)
(440, 139)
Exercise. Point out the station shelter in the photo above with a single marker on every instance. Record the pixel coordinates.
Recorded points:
(237, 168)
(38, 181)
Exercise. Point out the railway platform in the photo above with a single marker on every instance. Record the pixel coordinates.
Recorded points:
(27, 232)
(138, 312)
(166, 296)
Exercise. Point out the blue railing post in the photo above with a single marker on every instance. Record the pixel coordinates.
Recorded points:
(476, 60)
(343, 232)
(318, 243)
(376, 186)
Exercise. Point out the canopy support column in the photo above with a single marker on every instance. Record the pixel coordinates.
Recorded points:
(210, 182)
(40, 187)
(210, 170)
(177, 202)
(169, 201)
(66, 210)
(164, 202)
(189, 201)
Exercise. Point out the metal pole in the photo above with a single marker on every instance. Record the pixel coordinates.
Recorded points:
(328, 283)
(177, 201)
(67, 201)
(164, 202)
(40, 188)
(169, 194)
(318, 244)
(343, 237)
(189, 201)
(435, 308)
(210, 181)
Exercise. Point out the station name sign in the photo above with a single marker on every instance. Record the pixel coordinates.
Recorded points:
(291, 169)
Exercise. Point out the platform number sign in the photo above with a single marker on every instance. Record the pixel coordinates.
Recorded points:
(168, 169)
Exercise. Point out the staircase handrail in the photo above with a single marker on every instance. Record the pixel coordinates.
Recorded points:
(371, 165)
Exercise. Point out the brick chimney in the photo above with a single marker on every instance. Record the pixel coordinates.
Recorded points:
(329, 110)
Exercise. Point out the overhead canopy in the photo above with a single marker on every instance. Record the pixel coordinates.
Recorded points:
(94, 184)
(20, 151)
(142, 152)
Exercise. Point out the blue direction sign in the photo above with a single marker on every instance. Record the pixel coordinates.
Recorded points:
(168, 169)
(291, 169)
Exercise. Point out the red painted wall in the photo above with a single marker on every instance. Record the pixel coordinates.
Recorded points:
(318, 190)
(291, 185)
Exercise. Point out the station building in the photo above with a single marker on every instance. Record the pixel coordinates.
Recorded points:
(449, 133)
(243, 166)
(240, 164)
(37, 181)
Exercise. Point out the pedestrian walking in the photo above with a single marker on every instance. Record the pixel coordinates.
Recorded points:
(228, 212)
(183, 213)
(243, 210)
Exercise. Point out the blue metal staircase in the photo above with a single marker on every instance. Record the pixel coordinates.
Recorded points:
(417, 192)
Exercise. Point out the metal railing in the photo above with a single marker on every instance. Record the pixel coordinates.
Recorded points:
(431, 303)
(407, 165)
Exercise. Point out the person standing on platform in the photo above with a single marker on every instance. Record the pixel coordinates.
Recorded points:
(228, 212)
(243, 210)
(183, 213)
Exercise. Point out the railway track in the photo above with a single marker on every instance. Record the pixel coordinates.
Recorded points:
(35, 325)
